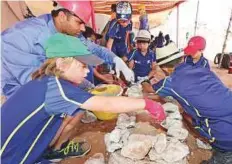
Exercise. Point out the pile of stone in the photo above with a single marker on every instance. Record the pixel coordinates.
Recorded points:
(128, 147)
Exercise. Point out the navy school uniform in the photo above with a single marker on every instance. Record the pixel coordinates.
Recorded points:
(203, 96)
(33, 115)
(202, 62)
(118, 33)
(142, 64)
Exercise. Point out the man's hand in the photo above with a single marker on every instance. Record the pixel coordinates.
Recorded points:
(120, 65)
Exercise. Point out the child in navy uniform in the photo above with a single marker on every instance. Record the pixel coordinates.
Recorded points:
(142, 60)
(117, 35)
(194, 52)
(203, 97)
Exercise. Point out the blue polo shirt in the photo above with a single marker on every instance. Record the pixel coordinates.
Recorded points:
(202, 62)
(142, 64)
(118, 33)
(203, 96)
(33, 115)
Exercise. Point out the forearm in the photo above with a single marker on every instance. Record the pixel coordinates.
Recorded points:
(151, 73)
(113, 104)
(99, 76)
(109, 44)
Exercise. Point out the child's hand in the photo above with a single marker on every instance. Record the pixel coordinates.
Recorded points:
(155, 109)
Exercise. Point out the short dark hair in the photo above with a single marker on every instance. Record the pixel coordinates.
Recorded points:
(113, 8)
(55, 13)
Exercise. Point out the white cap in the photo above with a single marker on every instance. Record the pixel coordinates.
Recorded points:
(143, 35)
(168, 53)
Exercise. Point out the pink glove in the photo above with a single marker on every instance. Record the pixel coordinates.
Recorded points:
(155, 109)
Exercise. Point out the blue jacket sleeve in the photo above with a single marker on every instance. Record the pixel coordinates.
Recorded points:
(63, 97)
(164, 87)
(98, 50)
(22, 53)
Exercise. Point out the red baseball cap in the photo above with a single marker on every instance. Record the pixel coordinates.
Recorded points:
(195, 44)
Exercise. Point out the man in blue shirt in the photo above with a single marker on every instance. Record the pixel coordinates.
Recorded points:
(119, 28)
(34, 118)
(206, 99)
(23, 44)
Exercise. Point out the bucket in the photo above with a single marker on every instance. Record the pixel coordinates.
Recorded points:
(106, 90)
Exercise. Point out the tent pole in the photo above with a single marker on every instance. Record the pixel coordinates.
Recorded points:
(224, 44)
(177, 26)
(196, 20)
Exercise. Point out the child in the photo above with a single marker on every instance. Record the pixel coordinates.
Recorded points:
(43, 112)
(206, 100)
(142, 60)
(102, 72)
(117, 35)
(196, 46)
(143, 18)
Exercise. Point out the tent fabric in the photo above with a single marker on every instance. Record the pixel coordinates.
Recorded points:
(158, 11)
(152, 6)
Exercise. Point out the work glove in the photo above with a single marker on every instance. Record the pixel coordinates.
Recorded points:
(155, 109)
(120, 65)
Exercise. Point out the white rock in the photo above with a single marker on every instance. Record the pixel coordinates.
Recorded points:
(171, 122)
(203, 145)
(116, 158)
(154, 156)
(175, 151)
(115, 135)
(170, 107)
(178, 133)
(124, 136)
(144, 128)
(160, 143)
(175, 115)
(144, 162)
(116, 139)
(97, 158)
(135, 91)
(111, 146)
(183, 161)
(138, 146)
(125, 121)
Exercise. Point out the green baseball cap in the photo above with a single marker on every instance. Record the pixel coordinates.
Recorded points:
(61, 45)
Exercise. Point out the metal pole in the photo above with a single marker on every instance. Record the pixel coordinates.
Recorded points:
(196, 20)
(177, 26)
(224, 45)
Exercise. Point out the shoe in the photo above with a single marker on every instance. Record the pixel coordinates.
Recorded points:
(69, 149)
